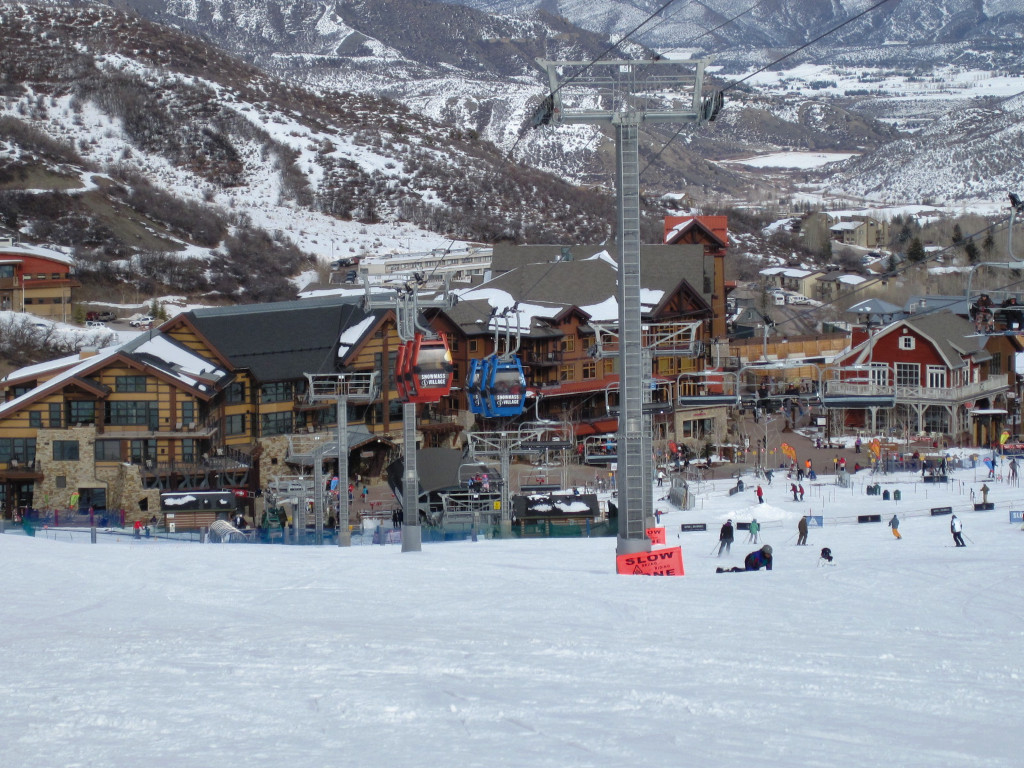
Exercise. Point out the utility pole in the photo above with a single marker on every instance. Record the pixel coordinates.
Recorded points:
(626, 94)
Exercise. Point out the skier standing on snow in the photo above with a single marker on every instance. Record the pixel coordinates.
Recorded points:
(792, 487)
(895, 525)
(755, 528)
(801, 528)
(760, 495)
(956, 528)
(725, 538)
(801, 491)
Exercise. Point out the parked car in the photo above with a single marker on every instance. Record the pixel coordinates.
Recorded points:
(103, 317)
(95, 324)
(141, 321)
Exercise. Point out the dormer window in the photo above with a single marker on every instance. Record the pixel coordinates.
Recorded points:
(906, 342)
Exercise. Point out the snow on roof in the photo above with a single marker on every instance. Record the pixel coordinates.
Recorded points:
(184, 364)
(851, 279)
(607, 310)
(50, 365)
(844, 226)
(354, 334)
(786, 272)
(603, 256)
(35, 250)
(12, 405)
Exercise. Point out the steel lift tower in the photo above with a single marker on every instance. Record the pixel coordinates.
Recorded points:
(406, 304)
(625, 94)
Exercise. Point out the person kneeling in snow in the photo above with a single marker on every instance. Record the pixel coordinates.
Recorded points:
(755, 561)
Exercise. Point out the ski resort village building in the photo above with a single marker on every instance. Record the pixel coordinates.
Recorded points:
(35, 280)
(943, 376)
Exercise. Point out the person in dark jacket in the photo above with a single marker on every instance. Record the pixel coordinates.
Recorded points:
(725, 538)
(801, 529)
(755, 561)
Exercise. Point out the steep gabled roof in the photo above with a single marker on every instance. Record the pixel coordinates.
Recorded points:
(285, 340)
(952, 337)
(546, 289)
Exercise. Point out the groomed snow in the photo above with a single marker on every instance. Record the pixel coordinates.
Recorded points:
(528, 653)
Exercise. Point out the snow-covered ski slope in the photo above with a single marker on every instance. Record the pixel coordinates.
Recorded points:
(530, 653)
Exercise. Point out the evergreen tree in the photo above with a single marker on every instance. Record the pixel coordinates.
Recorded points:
(971, 250)
(988, 244)
(915, 251)
(958, 235)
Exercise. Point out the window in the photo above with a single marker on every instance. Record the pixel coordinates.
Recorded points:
(133, 413)
(569, 344)
(35, 419)
(108, 450)
(188, 412)
(995, 365)
(55, 413)
(234, 424)
(61, 481)
(65, 450)
(276, 423)
(188, 450)
(474, 345)
(20, 449)
(908, 374)
(140, 451)
(698, 427)
(81, 412)
(907, 342)
(590, 370)
(565, 373)
(276, 392)
(7, 271)
(130, 384)
(235, 393)
(936, 377)
(879, 374)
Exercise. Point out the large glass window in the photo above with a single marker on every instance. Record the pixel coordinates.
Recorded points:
(188, 450)
(995, 365)
(908, 374)
(133, 413)
(276, 423)
(81, 412)
(35, 419)
(65, 450)
(108, 450)
(234, 424)
(20, 449)
(130, 383)
(142, 450)
(276, 392)
(936, 377)
(235, 393)
(54, 415)
(188, 412)
(590, 370)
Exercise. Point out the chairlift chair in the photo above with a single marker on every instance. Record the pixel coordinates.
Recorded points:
(430, 369)
(504, 386)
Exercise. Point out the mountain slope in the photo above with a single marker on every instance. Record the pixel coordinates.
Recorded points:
(94, 101)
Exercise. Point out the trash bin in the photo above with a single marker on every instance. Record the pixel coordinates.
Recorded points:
(896, 496)
(739, 485)
(885, 495)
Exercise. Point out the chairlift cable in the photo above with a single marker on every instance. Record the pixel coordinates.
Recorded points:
(767, 66)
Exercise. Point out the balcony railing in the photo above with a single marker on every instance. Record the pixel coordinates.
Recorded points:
(531, 357)
(916, 393)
